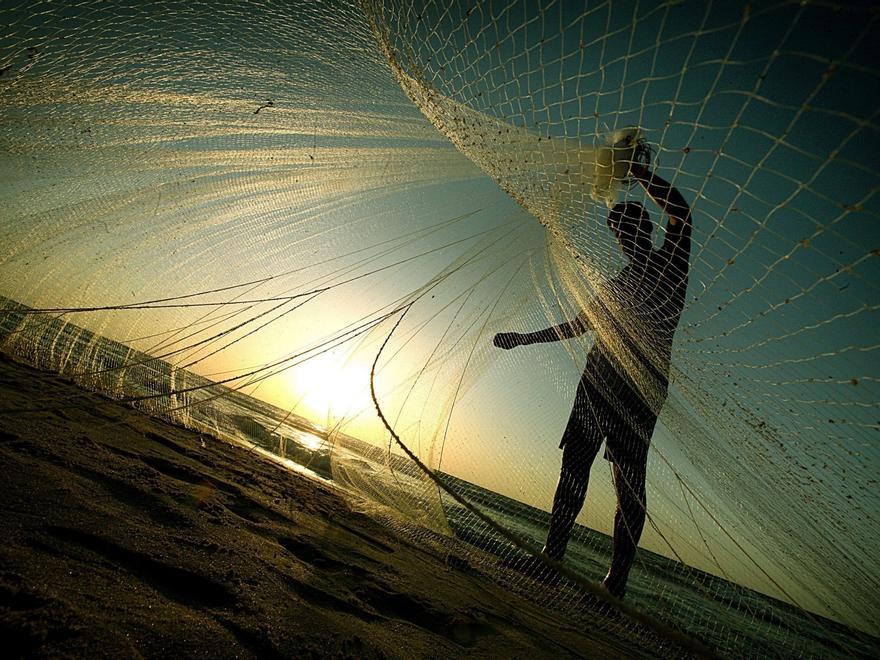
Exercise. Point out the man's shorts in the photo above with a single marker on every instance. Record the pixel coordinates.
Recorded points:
(626, 426)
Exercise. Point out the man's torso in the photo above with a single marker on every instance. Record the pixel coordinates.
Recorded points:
(636, 315)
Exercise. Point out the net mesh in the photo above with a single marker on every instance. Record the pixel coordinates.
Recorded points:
(244, 216)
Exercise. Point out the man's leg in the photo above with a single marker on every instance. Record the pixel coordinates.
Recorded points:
(629, 520)
(574, 477)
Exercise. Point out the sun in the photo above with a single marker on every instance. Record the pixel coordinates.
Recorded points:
(332, 384)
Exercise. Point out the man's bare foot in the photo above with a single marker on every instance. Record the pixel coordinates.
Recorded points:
(614, 587)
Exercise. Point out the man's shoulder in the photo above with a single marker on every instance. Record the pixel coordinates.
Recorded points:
(658, 258)
(669, 254)
(665, 270)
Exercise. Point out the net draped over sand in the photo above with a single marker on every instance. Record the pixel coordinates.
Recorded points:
(263, 195)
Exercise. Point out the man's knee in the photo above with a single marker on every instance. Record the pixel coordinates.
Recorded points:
(576, 463)
(572, 487)
(629, 481)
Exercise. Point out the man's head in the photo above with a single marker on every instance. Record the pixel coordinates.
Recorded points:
(632, 226)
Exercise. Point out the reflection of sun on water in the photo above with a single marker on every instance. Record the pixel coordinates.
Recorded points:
(332, 385)
(309, 441)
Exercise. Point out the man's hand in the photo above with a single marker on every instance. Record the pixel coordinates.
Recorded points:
(508, 340)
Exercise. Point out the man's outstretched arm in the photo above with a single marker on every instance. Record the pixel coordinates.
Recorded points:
(574, 328)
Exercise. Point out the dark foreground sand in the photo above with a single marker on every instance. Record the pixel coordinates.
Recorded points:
(125, 536)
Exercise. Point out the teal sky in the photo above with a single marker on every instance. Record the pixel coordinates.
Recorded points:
(135, 167)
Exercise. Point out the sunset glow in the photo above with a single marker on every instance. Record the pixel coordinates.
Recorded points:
(332, 385)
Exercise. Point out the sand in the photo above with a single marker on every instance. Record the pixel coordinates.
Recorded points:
(126, 536)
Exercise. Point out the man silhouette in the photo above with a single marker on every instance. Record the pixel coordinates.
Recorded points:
(634, 317)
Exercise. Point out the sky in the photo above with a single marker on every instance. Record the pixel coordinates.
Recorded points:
(142, 159)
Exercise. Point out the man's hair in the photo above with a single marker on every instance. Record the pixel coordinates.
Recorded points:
(630, 218)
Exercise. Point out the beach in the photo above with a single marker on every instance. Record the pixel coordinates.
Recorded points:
(127, 536)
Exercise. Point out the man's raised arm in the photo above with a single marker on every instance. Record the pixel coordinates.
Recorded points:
(574, 328)
(668, 198)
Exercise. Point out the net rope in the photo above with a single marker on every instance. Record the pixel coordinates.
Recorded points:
(264, 221)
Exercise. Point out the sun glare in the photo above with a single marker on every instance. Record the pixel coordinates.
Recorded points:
(333, 385)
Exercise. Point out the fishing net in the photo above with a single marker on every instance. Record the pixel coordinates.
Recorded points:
(302, 226)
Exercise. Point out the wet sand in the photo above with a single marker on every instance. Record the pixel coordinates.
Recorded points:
(126, 536)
